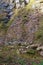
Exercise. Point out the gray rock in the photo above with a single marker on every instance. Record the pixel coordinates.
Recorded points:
(40, 48)
(41, 53)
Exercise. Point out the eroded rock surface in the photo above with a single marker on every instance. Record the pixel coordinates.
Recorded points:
(23, 28)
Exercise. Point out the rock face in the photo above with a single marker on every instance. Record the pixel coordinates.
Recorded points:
(5, 14)
(15, 3)
(23, 28)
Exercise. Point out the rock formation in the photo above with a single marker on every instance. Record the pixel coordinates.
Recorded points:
(24, 27)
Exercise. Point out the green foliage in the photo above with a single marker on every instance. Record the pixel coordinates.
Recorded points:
(39, 33)
(34, 63)
(21, 61)
(8, 55)
(40, 63)
(31, 52)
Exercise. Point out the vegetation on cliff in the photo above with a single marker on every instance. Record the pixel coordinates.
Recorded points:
(21, 36)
